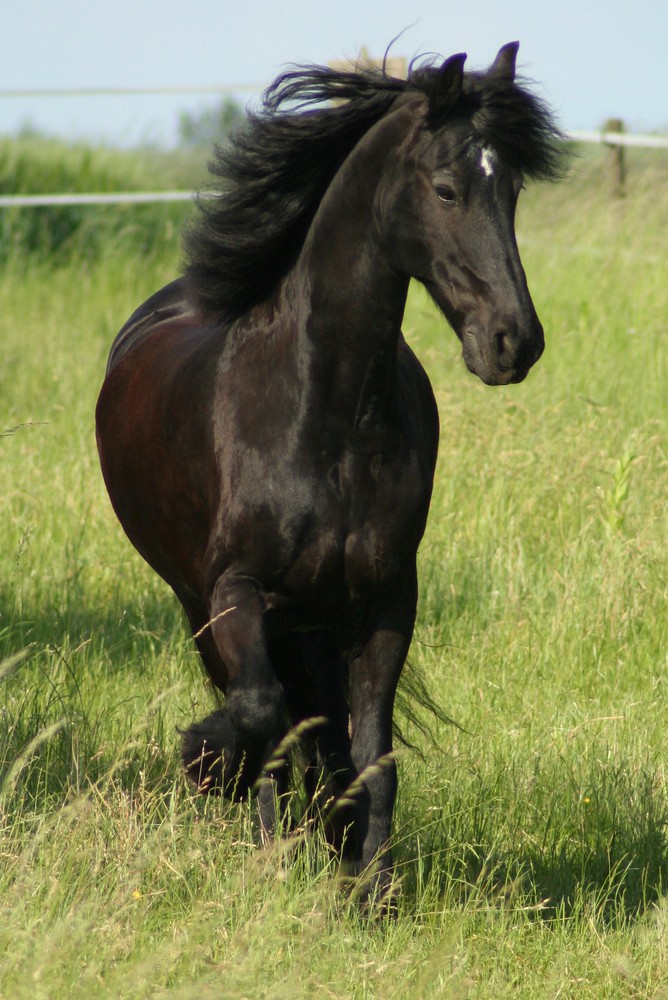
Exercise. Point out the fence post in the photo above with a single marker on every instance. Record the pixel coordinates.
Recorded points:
(616, 159)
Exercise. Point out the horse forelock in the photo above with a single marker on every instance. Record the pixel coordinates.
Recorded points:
(517, 124)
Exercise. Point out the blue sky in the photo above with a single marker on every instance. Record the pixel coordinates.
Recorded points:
(592, 59)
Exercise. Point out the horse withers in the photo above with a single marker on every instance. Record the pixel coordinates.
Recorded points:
(268, 438)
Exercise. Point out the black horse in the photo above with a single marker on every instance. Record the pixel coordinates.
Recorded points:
(268, 438)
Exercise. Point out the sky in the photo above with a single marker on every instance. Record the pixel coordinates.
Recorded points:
(590, 59)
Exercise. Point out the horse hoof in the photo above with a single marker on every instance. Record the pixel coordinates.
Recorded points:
(215, 759)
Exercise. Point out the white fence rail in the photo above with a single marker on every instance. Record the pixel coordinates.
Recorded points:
(240, 88)
(147, 197)
(112, 198)
(620, 139)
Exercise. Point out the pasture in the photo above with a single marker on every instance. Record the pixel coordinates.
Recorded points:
(531, 833)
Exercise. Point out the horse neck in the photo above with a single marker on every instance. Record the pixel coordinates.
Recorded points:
(351, 300)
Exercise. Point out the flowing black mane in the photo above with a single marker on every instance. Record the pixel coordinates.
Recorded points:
(276, 168)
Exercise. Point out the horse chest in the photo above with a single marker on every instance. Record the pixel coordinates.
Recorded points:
(386, 531)
(366, 523)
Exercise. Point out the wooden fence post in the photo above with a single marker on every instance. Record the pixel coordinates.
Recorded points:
(616, 159)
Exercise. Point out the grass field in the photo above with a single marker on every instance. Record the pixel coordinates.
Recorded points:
(532, 837)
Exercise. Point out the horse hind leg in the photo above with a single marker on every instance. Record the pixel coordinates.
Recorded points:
(315, 689)
(287, 660)
(225, 752)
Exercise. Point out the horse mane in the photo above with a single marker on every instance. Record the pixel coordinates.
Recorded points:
(274, 170)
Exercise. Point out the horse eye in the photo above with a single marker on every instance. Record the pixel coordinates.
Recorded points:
(446, 193)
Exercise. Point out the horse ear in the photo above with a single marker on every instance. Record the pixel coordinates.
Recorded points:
(503, 67)
(447, 87)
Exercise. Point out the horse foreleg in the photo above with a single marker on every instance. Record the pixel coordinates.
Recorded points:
(226, 752)
(374, 675)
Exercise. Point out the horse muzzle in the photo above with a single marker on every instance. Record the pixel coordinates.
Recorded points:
(504, 356)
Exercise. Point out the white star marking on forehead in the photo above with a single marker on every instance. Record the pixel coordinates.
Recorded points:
(487, 161)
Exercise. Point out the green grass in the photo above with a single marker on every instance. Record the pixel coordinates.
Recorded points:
(531, 841)
(66, 234)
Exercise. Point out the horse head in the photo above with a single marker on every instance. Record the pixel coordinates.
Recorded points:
(447, 208)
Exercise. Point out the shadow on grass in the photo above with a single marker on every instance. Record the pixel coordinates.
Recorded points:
(611, 865)
(121, 632)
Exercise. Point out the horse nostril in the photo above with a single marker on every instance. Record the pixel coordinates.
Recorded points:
(503, 344)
